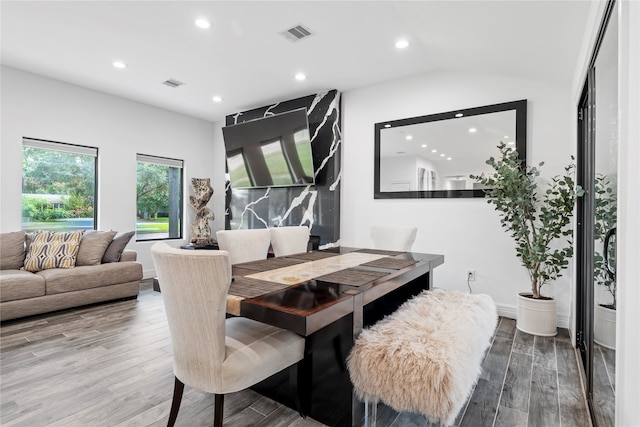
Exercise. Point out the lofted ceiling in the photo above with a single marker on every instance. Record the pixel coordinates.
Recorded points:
(244, 59)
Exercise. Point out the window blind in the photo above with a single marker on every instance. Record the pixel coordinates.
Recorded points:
(175, 163)
(60, 146)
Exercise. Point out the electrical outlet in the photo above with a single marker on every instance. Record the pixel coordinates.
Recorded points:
(471, 275)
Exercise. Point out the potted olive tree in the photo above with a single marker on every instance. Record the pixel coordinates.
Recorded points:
(604, 328)
(540, 223)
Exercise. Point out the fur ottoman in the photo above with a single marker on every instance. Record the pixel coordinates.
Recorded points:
(426, 356)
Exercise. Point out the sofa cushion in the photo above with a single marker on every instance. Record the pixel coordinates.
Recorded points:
(12, 250)
(93, 246)
(53, 250)
(18, 284)
(90, 276)
(117, 245)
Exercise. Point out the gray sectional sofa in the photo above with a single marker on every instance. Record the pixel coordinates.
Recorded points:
(103, 271)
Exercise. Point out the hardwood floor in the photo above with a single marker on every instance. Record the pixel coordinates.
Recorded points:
(110, 365)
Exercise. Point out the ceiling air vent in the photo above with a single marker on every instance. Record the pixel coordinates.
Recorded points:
(173, 83)
(296, 33)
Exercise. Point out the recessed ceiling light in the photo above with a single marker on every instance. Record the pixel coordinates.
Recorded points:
(387, 125)
(408, 137)
(202, 23)
(449, 158)
(300, 77)
(459, 115)
(119, 64)
(473, 130)
(510, 143)
(506, 137)
(424, 145)
(442, 155)
(217, 98)
(434, 151)
(402, 44)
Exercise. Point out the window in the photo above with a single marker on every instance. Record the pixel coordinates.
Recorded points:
(158, 198)
(58, 186)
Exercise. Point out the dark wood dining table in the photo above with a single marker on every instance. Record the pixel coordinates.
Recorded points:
(327, 296)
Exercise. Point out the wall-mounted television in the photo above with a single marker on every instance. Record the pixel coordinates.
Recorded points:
(272, 151)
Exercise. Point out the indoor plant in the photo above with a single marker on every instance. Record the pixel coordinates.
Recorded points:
(536, 222)
(604, 332)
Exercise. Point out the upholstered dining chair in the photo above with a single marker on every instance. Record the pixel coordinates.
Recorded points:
(210, 352)
(289, 240)
(393, 238)
(245, 245)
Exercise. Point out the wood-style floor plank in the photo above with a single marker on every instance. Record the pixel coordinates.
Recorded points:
(517, 384)
(543, 404)
(110, 365)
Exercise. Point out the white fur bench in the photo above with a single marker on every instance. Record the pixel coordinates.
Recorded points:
(426, 356)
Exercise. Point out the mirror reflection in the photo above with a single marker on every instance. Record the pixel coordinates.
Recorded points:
(605, 292)
(433, 156)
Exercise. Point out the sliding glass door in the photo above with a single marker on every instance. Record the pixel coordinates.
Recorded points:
(597, 213)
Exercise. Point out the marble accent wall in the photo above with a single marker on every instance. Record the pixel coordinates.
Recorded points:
(317, 206)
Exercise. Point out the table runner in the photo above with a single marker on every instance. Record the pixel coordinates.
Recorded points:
(295, 274)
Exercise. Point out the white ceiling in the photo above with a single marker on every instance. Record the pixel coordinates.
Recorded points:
(243, 58)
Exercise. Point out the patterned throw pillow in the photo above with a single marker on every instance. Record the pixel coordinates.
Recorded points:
(53, 250)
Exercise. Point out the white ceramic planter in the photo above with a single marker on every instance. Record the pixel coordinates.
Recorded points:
(536, 316)
(604, 327)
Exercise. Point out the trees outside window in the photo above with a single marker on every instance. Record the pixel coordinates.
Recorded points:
(159, 198)
(58, 186)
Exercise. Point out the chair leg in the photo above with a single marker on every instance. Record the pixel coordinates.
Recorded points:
(178, 388)
(218, 408)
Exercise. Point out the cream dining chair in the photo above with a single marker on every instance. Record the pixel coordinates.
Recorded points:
(393, 238)
(210, 352)
(245, 245)
(289, 240)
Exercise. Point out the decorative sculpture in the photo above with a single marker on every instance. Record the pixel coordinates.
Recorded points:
(200, 229)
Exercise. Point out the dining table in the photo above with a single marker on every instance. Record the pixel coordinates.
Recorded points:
(327, 296)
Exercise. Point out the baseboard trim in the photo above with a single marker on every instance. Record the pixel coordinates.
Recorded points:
(149, 274)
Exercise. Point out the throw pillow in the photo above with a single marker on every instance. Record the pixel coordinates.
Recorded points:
(12, 250)
(53, 250)
(117, 245)
(93, 246)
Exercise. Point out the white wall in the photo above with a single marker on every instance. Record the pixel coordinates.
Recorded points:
(628, 257)
(466, 231)
(38, 107)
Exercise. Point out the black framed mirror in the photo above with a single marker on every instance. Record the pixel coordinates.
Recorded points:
(432, 156)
